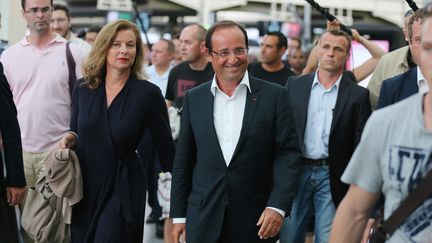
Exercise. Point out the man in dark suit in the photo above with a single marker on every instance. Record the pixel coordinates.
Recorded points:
(330, 112)
(407, 82)
(11, 189)
(237, 161)
(401, 86)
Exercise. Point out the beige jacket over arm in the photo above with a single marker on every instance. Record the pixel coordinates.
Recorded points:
(63, 174)
(390, 65)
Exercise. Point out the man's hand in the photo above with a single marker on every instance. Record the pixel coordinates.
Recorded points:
(270, 222)
(356, 35)
(15, 195)
(177, 231)
(333, 25)
(367, 230)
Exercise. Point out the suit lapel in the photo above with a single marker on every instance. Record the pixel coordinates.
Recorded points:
(208, 111)
(343, 94)
(252, 100)
(303, 96)
(410, 83)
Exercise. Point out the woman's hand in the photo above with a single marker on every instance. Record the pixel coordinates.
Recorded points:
(68, 141)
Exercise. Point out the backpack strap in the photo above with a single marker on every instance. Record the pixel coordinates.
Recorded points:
(411, 202)
(71, 66)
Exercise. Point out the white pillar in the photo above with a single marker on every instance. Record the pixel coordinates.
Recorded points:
(307, 20)
(205, 13)
(13, 26)
(273, 10)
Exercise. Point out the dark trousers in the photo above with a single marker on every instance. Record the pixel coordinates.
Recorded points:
(224, 235)
(152, 174)
(227, 236)
(8, 224)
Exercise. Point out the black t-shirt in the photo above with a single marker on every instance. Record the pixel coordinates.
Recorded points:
(280, 77)
(182, 78)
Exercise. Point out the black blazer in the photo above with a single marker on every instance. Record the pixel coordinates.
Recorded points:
(398, 88)
(263, 170)
(351, 111)
(10, 131)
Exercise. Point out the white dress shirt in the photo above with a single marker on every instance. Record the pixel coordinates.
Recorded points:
(228, 115)
(421, 82)
(83, 46)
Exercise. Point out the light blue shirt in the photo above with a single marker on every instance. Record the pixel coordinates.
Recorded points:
(160, 81)
(321, 106)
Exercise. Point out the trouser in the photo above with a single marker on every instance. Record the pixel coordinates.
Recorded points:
(152, 174)
(8, 225)
(33, 169)
(313, 194)
(33, 166)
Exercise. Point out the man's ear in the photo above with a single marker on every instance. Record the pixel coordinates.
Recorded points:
(208, 55)
(282, 51)
(405, 34)
(171, 56)
(203, 47)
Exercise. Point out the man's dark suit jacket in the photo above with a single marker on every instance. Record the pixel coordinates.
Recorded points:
(263, 171)
(351, 111)
(10, 131)
(398, 88)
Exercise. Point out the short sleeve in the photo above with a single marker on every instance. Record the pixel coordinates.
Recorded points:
(364, 168)
(170, 91)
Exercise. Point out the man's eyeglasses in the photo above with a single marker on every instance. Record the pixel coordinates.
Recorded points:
(34, 11)
(226, 53)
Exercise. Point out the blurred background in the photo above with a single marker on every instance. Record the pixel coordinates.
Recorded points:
(380, 19)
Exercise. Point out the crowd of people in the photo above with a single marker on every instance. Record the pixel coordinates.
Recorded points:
(223, 149)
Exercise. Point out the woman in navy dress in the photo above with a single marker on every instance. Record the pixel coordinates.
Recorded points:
(111, 107)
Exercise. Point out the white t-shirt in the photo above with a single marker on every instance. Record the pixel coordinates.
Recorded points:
(393, 156)
(161, 81)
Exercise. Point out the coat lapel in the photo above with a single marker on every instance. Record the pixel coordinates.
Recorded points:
(208, 110)
(343, 94)
(410, 85)
(303, 99)
(252, 100)
(105, 121)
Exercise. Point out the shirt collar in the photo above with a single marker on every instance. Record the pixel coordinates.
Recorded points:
(244, 82)
(57, 38)
(316, 82)
(72, 37)
(421, 81)
(420, 76)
